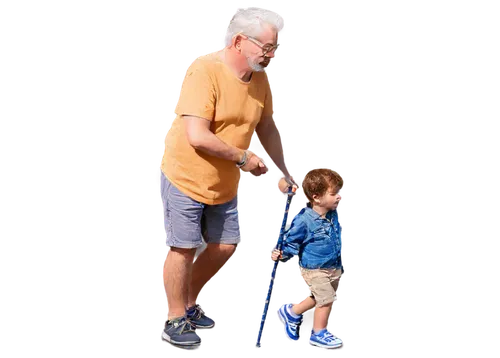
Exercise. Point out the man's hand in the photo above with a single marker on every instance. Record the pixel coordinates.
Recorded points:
(254, 163)
(285, 183)
(259, 172)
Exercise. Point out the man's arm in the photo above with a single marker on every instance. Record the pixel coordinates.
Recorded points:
(201, 137)
(271, 141)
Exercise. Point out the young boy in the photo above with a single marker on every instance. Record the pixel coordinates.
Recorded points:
(314, 236)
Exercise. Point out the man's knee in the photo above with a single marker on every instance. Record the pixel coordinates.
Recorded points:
(229, 249)
(186, 254)
(222, 250)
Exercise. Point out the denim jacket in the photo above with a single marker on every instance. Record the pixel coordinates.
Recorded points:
(314, 239)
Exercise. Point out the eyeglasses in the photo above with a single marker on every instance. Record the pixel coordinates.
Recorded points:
(266, 48)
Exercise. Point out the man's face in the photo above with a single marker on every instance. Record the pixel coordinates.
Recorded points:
(259, 50)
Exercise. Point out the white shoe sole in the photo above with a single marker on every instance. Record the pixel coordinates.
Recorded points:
(203, 327)
(166, 338)
(324, 346)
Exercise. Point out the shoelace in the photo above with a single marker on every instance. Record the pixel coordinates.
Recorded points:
(198, 312)
(185, 325)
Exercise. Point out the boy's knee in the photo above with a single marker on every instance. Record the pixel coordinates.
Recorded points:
(324, 304)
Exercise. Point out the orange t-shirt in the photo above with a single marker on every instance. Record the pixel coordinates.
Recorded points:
(212, 91)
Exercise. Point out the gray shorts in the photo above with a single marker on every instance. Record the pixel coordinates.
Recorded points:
(189, 223)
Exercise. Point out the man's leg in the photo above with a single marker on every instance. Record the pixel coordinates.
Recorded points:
(221, 232)
(206, 266)
(182, 216)
(176, 277)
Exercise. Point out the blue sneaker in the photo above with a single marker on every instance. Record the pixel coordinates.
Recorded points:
(325, 339)
(180, 333)
(197, 317)
(292, 324)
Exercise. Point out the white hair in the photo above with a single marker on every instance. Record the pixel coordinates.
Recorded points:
(251, 22)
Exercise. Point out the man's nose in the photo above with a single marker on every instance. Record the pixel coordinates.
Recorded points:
(270, 54)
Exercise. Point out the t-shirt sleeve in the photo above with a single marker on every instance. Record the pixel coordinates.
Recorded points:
(197, 93)
(268, 101)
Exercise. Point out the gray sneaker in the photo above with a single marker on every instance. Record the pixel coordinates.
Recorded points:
(197, 317)
(181, 333)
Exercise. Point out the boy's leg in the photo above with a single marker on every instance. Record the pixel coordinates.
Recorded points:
(324, 284)
(321, 315)
(290, 316)
(304, 306)
(320, 336)
(291, 320)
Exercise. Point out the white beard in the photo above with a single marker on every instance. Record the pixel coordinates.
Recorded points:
(255, 66)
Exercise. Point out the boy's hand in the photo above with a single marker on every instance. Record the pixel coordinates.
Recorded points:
(276, 255)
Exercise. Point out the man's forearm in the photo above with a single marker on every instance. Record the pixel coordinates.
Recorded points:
(271, 141)
(210, 144)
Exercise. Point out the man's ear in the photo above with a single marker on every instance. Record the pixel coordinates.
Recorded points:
(237, 42)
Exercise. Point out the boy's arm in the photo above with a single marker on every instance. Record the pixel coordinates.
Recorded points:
(293, 239)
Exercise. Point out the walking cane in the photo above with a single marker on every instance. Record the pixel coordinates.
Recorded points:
(273, 271)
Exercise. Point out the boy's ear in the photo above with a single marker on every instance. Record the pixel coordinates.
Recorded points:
(315, 198)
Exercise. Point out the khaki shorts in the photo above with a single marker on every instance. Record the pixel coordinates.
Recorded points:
(323, 284)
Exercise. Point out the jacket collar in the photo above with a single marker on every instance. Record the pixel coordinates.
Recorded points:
(314, 215)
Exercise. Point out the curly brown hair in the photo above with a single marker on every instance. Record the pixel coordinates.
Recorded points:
(318, 181)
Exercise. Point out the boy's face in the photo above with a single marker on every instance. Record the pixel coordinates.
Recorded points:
(330, 200)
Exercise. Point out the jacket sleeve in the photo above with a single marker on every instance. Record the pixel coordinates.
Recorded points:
(293, 239)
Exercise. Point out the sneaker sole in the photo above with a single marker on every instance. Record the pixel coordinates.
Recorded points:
(192, 344)
(282, 319)
(283, 323)
(202, 327)
(324, 346)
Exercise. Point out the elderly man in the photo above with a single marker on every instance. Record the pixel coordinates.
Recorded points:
(225, 97)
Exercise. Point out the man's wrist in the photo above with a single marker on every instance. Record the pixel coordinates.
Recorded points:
(243, 160)
(287, 176)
